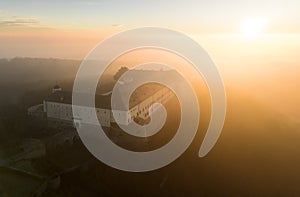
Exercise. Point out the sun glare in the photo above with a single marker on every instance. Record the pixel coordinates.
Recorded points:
(253, 27)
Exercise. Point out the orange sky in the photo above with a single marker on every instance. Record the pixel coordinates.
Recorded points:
(70, 29)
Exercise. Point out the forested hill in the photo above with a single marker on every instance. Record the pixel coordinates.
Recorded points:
(30, 70)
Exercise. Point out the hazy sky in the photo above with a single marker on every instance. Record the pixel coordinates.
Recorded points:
(69, 29)
(212, 15)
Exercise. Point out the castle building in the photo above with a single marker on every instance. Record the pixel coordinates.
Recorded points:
(57, 107)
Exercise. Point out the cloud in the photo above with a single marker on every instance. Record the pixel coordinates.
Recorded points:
(118, 25)
(17, 21)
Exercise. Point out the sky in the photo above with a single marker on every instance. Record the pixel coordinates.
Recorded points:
(215, 16)
(69, 29)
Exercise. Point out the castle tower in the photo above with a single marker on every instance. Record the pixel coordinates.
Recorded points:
(56, 88)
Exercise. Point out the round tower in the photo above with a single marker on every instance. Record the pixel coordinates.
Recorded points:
(56, 88)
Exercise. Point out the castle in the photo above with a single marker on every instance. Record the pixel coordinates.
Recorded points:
(57, 107)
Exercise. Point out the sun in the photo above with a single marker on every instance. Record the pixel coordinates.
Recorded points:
(253, 27)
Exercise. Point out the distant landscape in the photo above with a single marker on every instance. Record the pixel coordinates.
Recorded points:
(258, 152)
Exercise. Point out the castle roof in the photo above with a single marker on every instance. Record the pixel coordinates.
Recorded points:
(104, 100)
(101, 101)
(56, 87)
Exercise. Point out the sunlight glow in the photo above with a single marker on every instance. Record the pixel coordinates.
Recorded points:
(253, 27)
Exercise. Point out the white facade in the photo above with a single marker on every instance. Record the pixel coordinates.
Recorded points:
(142, 110)
(59, 111)
(63, 112)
